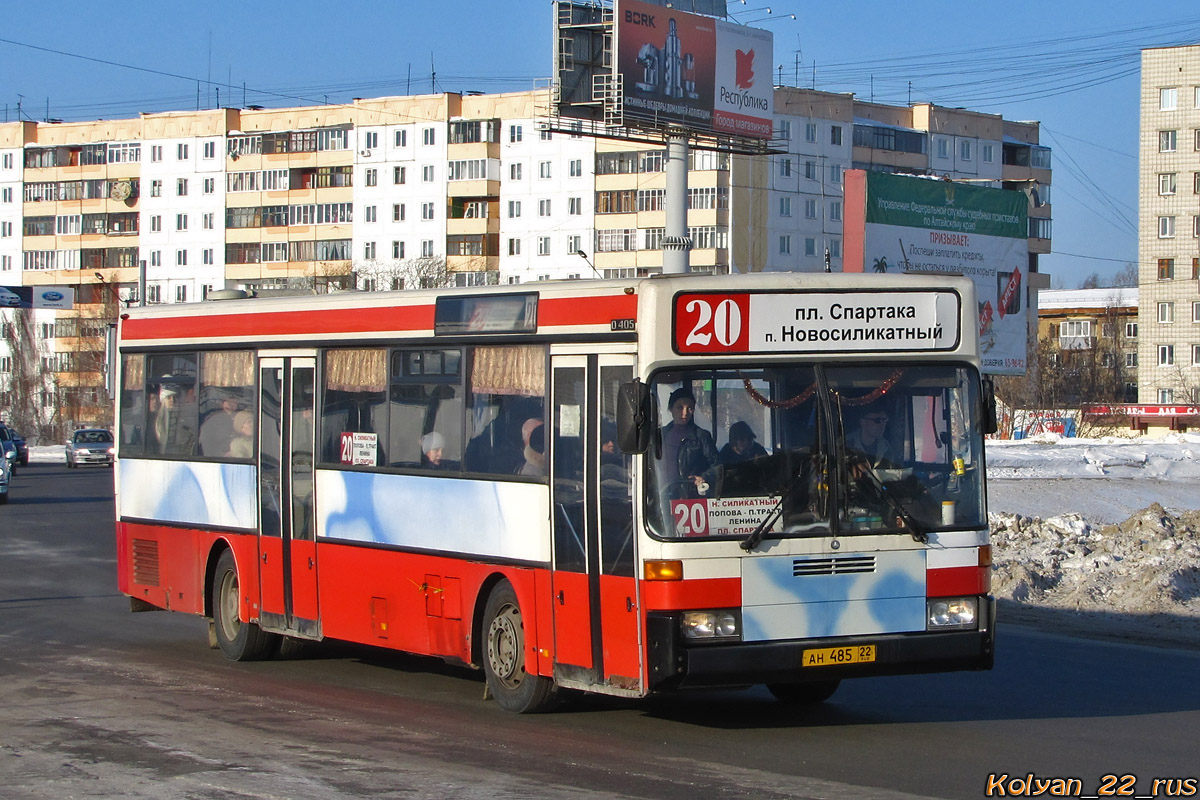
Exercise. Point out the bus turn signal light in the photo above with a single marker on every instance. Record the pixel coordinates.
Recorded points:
(662, 570)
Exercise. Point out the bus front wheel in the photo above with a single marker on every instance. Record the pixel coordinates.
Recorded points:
(514, 688)
(239, 641)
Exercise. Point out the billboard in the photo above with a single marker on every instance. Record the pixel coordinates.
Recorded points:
(37, 297)
(896, 223)
(693, 71)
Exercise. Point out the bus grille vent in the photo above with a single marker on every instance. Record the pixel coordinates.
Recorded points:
(145, 562)
(833, 565)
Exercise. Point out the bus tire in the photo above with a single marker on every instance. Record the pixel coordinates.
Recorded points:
(803, 694)
(239, 641)
(514, 688)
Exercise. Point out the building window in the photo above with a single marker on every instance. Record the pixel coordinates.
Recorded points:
(208, 220)
(399, 175)
(181, 187)
(371, 140)
(543, 208)
(1196, 355)
(1166, 313)
(514, 209)
(369, 214)
(429, 136)
(810, 209)
(785, 206)
(181, 222)
(372, 177)
(156, 152)
(156, 188)
(427, 173)
(514, 247)
(835, 210)
(964, 150)
(1166, 396)
(1195, 311)
(543, 246)
(1166, 355)
(575, 206)
(810, 246)
(785, 245)
(210, 150)
(401, 138)
(181, 152)
(1131, 359)
(156, 258)
(943, 148)
(545, 134)
(986, 152)
(575, 244)
(810, 170)
(181, 258)
(1166, 183)
(397, 212)
(181, 293)
(426, 248)
(210, 185)
(1166, 227)
(1166, 269)
(785, 167)
(1168, 99)
(576, 168)
(543, 169)
(835, 135)
(1131, 330)
(1167, 141)
(369, 251)
(155, 223)
(514, 171)
(514, 133)
(426, 210)
(810, 132)
(207, 256)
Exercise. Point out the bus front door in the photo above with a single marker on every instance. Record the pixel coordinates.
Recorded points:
(287, 538)
(596, 619)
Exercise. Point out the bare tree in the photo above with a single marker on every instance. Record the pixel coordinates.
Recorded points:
(1127, 276)
(409, 273)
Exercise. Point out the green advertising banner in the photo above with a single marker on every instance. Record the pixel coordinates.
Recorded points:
(930, 226)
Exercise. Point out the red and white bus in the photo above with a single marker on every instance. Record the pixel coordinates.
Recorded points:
(622, 487)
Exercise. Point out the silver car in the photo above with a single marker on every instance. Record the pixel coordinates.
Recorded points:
(91, 446)
(5, 475)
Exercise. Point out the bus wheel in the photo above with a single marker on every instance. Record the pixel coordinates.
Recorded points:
(514, 688)
(803, 694)
(239, 641)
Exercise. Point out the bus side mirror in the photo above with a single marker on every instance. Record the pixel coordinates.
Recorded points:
(987, 402)
(635, 418)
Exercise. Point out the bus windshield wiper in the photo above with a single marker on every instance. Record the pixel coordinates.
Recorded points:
(756, 536)
(917, 532)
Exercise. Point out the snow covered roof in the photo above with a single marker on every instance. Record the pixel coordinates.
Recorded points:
(1087, 298)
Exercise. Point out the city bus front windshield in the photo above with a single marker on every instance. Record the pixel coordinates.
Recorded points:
(808, 450)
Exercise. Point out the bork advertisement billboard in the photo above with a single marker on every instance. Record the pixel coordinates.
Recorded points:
(692, 71)
(896, 223)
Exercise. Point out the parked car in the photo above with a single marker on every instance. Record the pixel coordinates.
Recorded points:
(8, 445)
(22, 448)
(5, 475)
(91, 446)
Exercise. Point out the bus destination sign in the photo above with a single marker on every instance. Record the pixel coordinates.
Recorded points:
(800, 322)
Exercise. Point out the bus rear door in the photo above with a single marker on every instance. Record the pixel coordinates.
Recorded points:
(595, 592)
(287, 538)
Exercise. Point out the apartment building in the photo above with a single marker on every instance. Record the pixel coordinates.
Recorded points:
(394, 192)
(1093, 335)
(1169, 227)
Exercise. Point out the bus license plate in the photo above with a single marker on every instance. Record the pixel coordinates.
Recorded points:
(830, 656)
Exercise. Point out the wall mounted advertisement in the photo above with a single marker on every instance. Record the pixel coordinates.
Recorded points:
(692, 71)
(896, 223)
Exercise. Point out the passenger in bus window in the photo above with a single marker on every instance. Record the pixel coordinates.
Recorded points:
(242, 443)
(533, 434)
(741, 446)
(433, 444)
(217, 430)
(172, 432)
(688, 451)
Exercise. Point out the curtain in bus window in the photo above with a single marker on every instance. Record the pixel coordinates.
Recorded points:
(616, 499)
(132, 433)
(354, 407)
(506, 409)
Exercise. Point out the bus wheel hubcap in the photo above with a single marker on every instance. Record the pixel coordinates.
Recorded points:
(504, 646)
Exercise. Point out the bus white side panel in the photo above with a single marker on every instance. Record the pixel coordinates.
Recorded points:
(190, 493)
(503, 519)
(846, 594)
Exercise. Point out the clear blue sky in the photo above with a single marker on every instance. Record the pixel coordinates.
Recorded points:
(1071, 65)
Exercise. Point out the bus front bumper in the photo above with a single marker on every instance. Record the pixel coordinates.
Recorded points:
(674, 664)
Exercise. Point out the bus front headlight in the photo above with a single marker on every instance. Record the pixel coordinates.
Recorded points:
(948, 613)
(712, 625)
